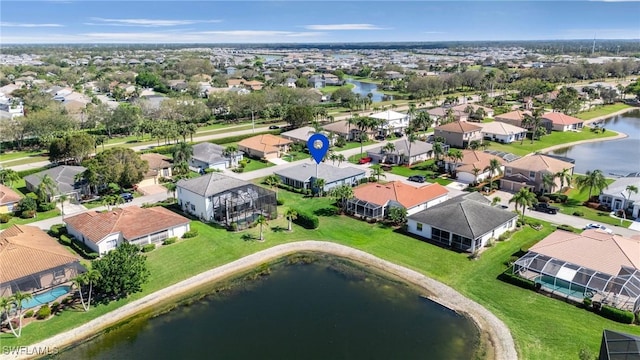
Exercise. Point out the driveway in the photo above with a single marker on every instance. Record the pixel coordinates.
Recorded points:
(277, 161)
(71, 208)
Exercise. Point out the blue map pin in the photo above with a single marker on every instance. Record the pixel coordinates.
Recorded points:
(318, 145)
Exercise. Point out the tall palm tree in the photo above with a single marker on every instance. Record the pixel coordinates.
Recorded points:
(261, 221)
(376, 170)
(342, 194)
(61, 200)
(629, 189)
(46, 189)
(455, 155)
(565, 177)
(494, 168)
(5, 308)
(182, 152)
(318, 185)
(290, 215)
(548, 182)
(438, 150)
(80, 281)
(475, 172)
(524, 198)
(411, 138)
(388, 148)
(364, 124)
(8, 177)
(341, 158)
(18, 297)
(92, 276)
(592, 179)
(231, 152)
(273, 181)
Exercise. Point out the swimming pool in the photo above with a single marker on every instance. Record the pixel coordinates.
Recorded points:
(46, 297)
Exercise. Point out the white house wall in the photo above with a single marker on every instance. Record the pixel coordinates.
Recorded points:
(412, 227)
(106, 244)
(437, 201)
(194, 204)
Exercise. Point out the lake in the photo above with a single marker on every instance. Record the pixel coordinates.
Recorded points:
(364, 88)
(619, 157)
(330, 309)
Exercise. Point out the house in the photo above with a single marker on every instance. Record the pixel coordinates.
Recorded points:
(303, 176)
(459, 133)
(391, 122)
(502, 132)
(488, 112)
(466, 222)
(213, 156)
(562, 122)
(178, 85)
(225, 200)
(104, 231)
(10, 108)
(473, 159)
(300, 135)
(438, 115)
(159, 167)
(594, 264)
(254, 85)
(529, 171)
(373, 200)
(8, 199)
(265, 146)
(616, 196)
(64, 177)
(420, 151)
(231, 83)
(343, 128)
(290, 83)
(32, 261)
(514, 118)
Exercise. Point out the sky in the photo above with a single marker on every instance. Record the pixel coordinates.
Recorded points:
(162, 21)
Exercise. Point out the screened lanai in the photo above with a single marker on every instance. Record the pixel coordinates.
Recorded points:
(365, 208)
(243, 205)
(621, 290)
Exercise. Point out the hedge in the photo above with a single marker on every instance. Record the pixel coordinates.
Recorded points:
(80, 248)
(517, 280)
(148, 248)
(562, 198)
(306, 220)
(4, 218)
(190, 234)
(24, 173)
(169, 241)
(57, 230)
(615, 314)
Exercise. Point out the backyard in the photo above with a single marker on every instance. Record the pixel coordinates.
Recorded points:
(540, 325)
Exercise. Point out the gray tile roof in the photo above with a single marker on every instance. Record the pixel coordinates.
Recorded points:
(208, 153)
(465, 215)
(402, 147)
(619, 187)
(329, 173)
(63, 176)
(211, 184)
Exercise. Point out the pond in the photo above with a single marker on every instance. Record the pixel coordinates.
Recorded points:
(615, 157)
(325, 310)
(364, 88)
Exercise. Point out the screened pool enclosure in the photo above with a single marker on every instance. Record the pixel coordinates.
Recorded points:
(560, 277)
(243, 205)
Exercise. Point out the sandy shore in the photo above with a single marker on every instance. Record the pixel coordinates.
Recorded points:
(501, 341)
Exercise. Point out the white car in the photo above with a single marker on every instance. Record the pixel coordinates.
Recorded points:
(598, 226)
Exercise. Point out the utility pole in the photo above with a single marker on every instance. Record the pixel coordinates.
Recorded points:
(593, 48)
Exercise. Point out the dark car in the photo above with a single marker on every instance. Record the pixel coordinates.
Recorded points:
(126, 197)
(546, 208)
(416, 178)
(273, 127)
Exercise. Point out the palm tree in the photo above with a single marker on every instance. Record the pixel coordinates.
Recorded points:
(592, 179)
(494, 168)
(79, 281)
(230, 152)
(376, 170)
(92, 276)
(342, 194)
(261, 221)
(524, 198)
(411, 138)
(8, 177)
(565, 176)
(182, 152)
(388, 148)
(340, 159)
(5, 308)
(438, 150)
(318, 185)
(290, 215)
(18, 297)
(548, 182)
(475, 172)
(273, 181)
(496, 200)
(61, 200)
(455, 155)
(46, 189)
(629, 189)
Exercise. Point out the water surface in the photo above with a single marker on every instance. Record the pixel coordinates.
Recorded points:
(364, 88)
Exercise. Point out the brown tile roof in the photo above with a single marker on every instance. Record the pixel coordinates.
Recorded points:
(592, 249)
(8, 196)
(234, 82)
(459, 127)
(264, 143)
(513, 115)
(539, 162)
(26, 250)
(561, 119)
(407, 195)
(477, 159)
(133, 222)
(156, 161)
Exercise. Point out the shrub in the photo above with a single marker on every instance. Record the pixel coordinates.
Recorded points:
(65, 240)
(565, 227)
(29, 214)
(306, 220)
(44, 312)
(233, 227)
(190, 234)
(28, 314)
(517, 280)
(55, 307)
(46, 206)
(544, 199)
(280, 201)
(78, 247)
(587, 302)
(578, 213)
(169, 241)
(148, 248)
(504, 236)
(57, 230)
(615, 314)
(4, 218)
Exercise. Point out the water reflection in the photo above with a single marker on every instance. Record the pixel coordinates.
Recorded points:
(363, 89)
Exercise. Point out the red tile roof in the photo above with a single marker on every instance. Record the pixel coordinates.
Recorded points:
(459, 127)
(133, 222)
(26, 250)
(8, 196)
(561, 119)
(405, 194)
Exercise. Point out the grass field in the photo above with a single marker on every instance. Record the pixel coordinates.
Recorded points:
(540, 325)
(257, 164)
(602, 111)
(575, 201)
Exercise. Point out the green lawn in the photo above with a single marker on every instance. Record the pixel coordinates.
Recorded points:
(14, 155)
(575, 201)
(540, 325)
(40, 216)
(354, 145)
(555, 138)
(331, 89)
(602, 111)
(295, 155)
(257, 164)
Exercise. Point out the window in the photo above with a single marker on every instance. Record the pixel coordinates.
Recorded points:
(508, 171)
(58, 273)
(193, 207)
(419, 226)
(532, 174)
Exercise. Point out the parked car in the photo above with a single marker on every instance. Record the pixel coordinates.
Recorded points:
(126, 197)
(416, 178)
(598, 226)
(380, 137)
(546, 208)
(273, 127)
(364, 160)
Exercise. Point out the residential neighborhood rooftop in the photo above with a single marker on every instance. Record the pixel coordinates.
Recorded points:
(539, 162)
(210, 184)
(330, 173)
(459, 127)
(400, 192)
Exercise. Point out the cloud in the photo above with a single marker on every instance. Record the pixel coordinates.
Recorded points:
(260, 33)
(147, 22)
(331, 27)
(27, 25)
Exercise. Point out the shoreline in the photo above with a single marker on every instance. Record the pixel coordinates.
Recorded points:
(619, 112)
(500, 339)
(620, 135)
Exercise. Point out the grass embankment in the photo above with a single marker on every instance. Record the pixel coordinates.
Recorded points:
(602, 111)
(540, 325)
(553, 139)
(574, 204)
